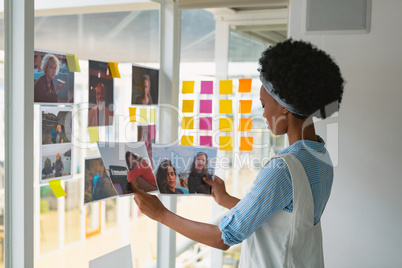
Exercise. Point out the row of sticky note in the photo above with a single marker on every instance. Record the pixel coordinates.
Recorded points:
(225, 86)
(143, 116)
(225, 106)
(225, 142)
(74, 65)
(225, 124)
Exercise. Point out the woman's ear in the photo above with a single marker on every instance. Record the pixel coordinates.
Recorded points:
(285, 111)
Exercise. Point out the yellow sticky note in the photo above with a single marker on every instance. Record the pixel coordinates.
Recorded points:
(153, 116)
(187, 140)
(225, 87)
(226, 143)
(245, 106)
(132, 112)
(225, 124)
(73, 64)
(187, 123)
(245, 85)
(225, 107)
(55, 185)
(245, 124)
(188, 87)
(114, 69)
(246, 143)
(188, 106)
(143, 115)
(93, 134)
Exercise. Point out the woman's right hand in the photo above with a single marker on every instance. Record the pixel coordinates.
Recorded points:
(220, 194)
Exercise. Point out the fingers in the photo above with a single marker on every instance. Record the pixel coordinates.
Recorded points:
(208, 180)
(135, 189)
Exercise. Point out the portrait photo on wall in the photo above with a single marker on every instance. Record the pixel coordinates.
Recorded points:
(56, 124)
(100, 94)
(179, 169)
(147, 134)
(56, 161)
(145, 85)
(54, 83)
(98, 185)
(128, 162)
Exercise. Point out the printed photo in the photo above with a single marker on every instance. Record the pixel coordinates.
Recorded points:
(98, 185)
(126, 163)
(56, 125)
(179, 169)
(147, 135)
(100, 94)
(145, 90)
(54, 83)
(56, 161)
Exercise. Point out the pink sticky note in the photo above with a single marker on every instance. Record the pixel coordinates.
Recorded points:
(206, 140)
(206, 106)
(205, 123)
(207, 87)
(151, 132)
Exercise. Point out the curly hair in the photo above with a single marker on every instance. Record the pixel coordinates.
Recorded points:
(303, 76)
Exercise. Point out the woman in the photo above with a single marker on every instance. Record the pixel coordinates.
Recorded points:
(58, 166)
(140, 173)
(145, 97)
(199, 169)
(44, 88)
(166, 178)
(278, 221)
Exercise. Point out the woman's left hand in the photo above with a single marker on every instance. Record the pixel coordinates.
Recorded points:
(148, 204)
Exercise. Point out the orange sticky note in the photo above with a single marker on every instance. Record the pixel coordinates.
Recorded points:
(72, 62)
(245, 124)
(225, 124)
(55, 185)
(114, 69)
(245, 106)
(245, 85)
(153, 116)
(93, 134)
(246, 143)
(132, 112)
(225, 107)
(188, 106)
(225, 87)
(143, 115)
(188, 87)
(187, 140)
(187, 123)
(226, 143)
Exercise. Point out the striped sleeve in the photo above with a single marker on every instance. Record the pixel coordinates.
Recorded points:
(271, 193)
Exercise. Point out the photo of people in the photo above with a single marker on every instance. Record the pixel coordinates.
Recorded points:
(145, 85)
(54, 83)
(56, 124)
(147, 134)
(128, 163)
(180, 168)
(56, 161)
(100, 94)
(98, 186)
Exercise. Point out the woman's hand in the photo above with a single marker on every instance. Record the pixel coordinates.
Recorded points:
(219, 193)
(150, 205)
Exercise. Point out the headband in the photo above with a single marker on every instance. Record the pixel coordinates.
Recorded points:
(270, 89)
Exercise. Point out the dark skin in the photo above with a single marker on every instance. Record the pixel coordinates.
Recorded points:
(280, 121)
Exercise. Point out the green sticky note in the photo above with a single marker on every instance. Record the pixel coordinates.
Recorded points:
(93, 134)
(55, 185)
(225, 87)
(225, 106)
(143, 115)
(72, 62)
(188, 87)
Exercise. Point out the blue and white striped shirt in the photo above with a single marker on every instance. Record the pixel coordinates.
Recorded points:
(272, 191)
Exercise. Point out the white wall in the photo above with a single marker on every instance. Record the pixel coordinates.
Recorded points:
(362, 224)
